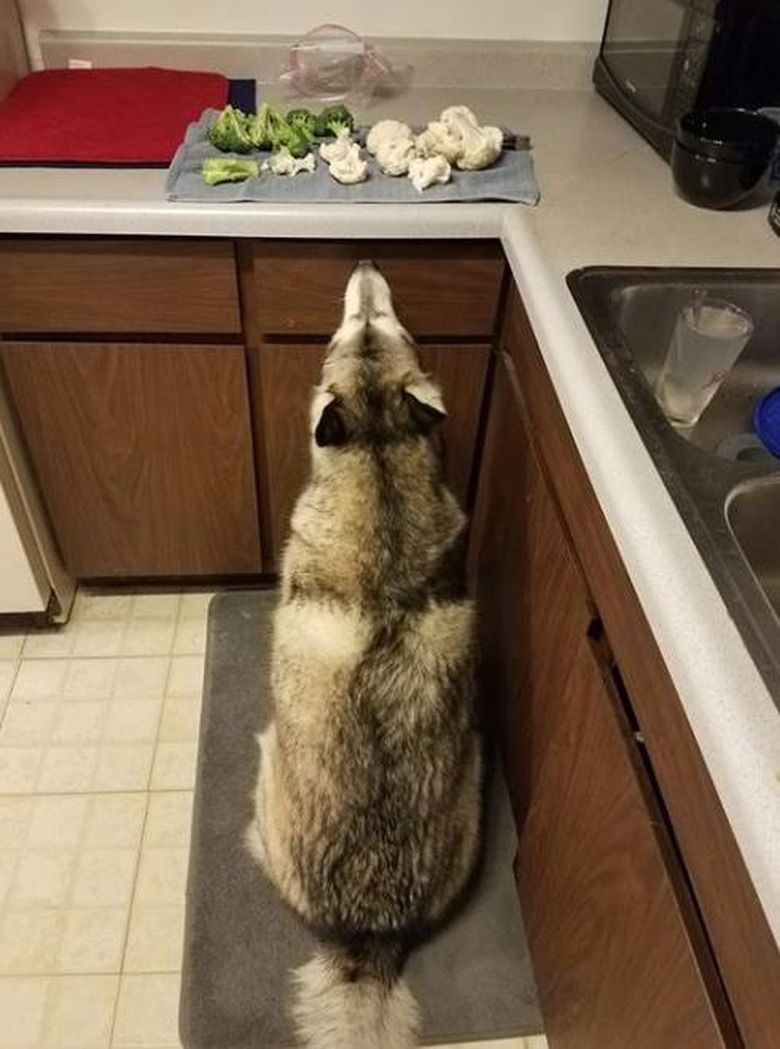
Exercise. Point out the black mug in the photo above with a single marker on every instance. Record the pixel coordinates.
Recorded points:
(724, 157)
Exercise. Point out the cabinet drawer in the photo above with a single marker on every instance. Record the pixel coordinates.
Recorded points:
(90, 284)
(438, 288)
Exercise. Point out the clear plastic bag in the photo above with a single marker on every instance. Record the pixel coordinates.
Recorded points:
(332, 63)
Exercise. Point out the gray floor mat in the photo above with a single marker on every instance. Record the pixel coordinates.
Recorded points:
(472, 980)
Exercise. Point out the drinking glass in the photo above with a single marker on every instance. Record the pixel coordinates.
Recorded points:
(708, 337)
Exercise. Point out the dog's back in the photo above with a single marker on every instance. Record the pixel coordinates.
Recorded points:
(376, 764)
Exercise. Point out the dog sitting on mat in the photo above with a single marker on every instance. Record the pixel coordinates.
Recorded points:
(367, 808)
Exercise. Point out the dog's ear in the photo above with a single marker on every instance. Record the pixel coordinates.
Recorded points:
(331, 429)
(426, 407)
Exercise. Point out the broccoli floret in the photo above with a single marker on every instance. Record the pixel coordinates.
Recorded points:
(228, 169)
(229, 132)
(303, 119)
(334, 119)
(278, 128)
(292, 138)
(268, 129)
(258, 129)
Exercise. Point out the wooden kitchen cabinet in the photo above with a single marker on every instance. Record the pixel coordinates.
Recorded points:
(741, 942)
(584, 729)
(141, 445)
(163, 458)
(619, 954)
(619, 959)
(143, 453)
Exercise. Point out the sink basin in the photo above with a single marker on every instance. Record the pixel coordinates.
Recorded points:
(753, 515)
(725, 485)
(645, 313)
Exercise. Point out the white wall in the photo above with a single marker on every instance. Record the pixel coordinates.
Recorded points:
(494, 20)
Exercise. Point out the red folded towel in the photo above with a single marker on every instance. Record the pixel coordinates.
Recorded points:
(104, 116)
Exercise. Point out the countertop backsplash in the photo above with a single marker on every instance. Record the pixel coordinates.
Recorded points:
(555, 65)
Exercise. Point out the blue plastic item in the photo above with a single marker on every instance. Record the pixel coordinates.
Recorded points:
(766, 420)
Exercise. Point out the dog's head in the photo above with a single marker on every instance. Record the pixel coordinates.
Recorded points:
(373, 390)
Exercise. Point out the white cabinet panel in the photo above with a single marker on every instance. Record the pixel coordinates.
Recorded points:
(19, 589)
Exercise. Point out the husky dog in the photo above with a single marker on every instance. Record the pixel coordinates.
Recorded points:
(367, 809)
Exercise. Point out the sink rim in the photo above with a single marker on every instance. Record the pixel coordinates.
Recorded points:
(772, 481)
(736, 495)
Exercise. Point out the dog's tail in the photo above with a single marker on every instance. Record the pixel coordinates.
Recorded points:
(352, 997)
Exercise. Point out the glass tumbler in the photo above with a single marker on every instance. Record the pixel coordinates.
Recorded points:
(708, 337)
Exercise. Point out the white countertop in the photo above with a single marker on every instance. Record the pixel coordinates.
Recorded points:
(606, 199)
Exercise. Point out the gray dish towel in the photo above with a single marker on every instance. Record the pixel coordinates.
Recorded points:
(511, 179)
(472, 979)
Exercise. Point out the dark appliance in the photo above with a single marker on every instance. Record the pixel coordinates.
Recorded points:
(662, 58)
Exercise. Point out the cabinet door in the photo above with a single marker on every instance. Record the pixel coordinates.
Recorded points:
(281, 398)
(286, 376)
(533, 606)
(143, 454)
(616, 962)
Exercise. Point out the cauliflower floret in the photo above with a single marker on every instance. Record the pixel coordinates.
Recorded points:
(340, 147)
(425, 171)
(392, 143)
(438, 140)
(387, 131)
(284, 163)
(343, 158)
(480, 148)
(350, 169)
(458, 117)
(393, 155)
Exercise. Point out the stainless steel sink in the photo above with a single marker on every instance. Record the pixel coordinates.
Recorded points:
(753, 515)
(724, 483)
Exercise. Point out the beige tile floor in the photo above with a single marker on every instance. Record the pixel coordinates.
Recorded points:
(98, 735)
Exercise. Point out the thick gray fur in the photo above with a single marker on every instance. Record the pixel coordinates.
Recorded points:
(367, 808)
